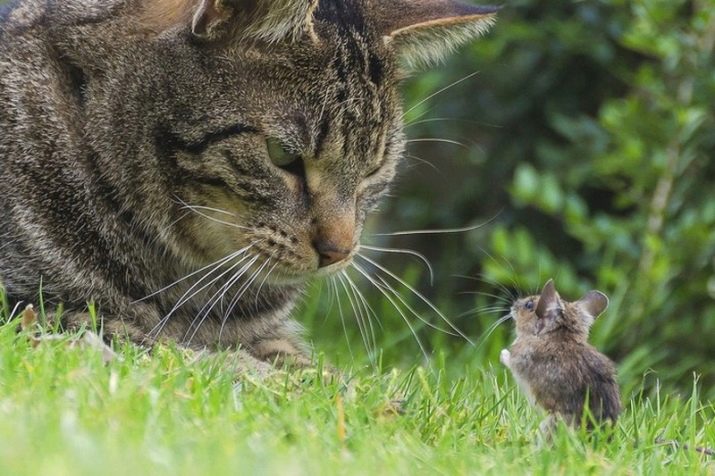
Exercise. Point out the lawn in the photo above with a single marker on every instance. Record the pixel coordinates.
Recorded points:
(64, 411)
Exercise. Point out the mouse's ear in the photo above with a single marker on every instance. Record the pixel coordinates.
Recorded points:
(593, 303)
(549, 301)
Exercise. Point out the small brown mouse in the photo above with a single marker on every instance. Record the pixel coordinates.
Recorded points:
(553, 362)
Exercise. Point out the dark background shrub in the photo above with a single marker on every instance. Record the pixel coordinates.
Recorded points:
(587, 152)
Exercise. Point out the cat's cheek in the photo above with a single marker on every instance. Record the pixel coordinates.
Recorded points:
(367, 205)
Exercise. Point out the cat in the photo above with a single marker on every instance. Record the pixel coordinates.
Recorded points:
(187, 165)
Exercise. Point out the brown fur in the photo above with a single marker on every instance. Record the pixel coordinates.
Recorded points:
(553, 362)
(161, 15)
(139, 171)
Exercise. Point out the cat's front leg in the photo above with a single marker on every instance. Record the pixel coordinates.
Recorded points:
(282, 345)
(239, 363)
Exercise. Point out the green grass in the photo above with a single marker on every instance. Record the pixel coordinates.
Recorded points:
(63, 411)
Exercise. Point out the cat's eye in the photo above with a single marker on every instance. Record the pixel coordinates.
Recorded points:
(279, 155)
(529, 305)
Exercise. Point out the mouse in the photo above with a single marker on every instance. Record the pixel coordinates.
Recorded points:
(553, 363)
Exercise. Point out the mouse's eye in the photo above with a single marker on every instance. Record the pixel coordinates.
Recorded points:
(529, 305)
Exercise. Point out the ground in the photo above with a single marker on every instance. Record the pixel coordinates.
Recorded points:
(63, 410)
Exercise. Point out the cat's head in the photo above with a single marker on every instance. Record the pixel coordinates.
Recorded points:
(276, 122)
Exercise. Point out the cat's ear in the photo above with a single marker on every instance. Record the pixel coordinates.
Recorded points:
(424, 32)
(265, 20)
(593, 304)
(549, 301)
(210, 15)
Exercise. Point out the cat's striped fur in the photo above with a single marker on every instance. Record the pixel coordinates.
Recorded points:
(135, 149)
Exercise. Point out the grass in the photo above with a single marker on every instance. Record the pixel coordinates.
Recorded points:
(63, 411)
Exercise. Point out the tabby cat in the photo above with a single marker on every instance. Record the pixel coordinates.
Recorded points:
(188, 165)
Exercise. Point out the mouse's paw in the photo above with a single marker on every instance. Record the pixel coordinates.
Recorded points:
(505, 357)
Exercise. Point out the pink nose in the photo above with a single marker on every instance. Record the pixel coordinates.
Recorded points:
(329, 253)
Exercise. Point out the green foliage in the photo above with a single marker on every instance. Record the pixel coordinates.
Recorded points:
(589, 134)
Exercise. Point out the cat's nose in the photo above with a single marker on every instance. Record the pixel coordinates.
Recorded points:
(334, 241)
(329, 252)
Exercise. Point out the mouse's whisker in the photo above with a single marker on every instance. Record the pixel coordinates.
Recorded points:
(491, 329)
(482, 310)
(481, 293)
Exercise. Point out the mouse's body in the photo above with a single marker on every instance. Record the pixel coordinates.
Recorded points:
(553, 362)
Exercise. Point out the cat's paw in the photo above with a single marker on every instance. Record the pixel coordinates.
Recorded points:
(505, 357)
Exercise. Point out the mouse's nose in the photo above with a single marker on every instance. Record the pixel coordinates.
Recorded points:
(329, 253)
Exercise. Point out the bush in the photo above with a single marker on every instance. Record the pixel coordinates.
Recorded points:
(589, 135)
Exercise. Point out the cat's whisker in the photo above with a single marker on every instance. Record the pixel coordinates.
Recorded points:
(187, 206)
(449, 119)
(418, 295)
(159, 327)
(209, 209)
(444, 89)
(216, 265)
(222, 287)
(441, 231)
(166, 229)
(342, 315)
(188, 294)
(183, 299)
(197, 210)
(438, 140)
(217, 297)
(368, 339)
(239, 294)
(359, 317)
(404, 251)
(265, 279)
(362, 298)
(404, 302)
(396, 306)
(331, 295)
(423, 161)
(427, 121)
(220, 222)
(369, 314)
